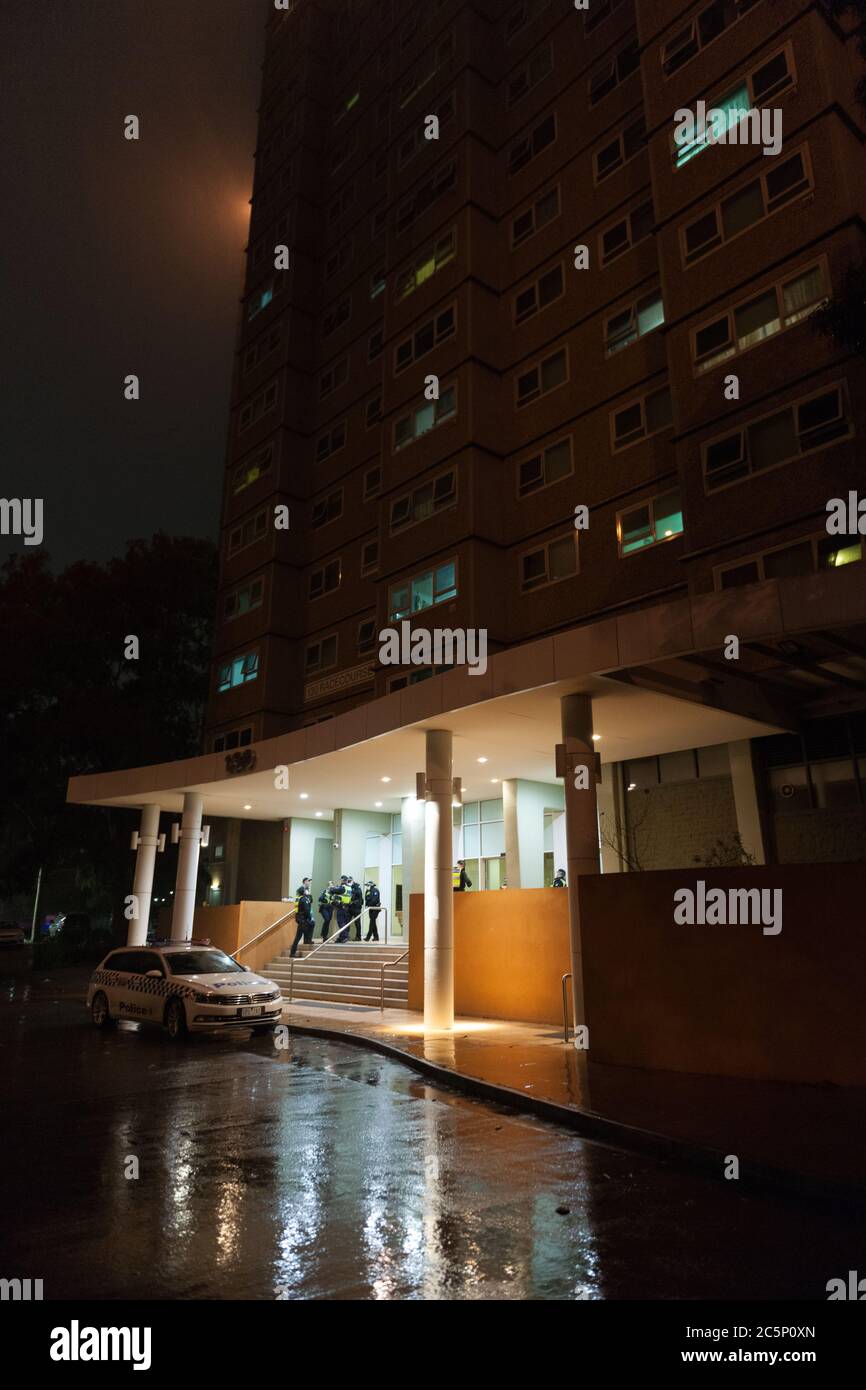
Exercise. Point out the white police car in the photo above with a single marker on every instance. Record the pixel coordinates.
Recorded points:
(184, 986)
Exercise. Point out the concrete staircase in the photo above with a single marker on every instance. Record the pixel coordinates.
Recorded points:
(349, 974)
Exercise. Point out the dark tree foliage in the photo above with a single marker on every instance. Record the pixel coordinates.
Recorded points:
(71, 703)
(843, 319)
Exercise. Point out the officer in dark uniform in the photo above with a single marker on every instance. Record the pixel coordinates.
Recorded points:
(326, 908)
(373, 904)
(344, 898)
(356, 907)
(303, 917)
(559, 881)
(460, 880)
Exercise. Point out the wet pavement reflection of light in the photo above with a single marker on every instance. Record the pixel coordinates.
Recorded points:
(322, 1172)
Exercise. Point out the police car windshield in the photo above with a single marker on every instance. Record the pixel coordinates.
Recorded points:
(200, 963)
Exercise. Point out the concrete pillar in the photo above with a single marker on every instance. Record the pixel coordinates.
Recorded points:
(581, 826)
(749, 822)
(187, 868)
(438, 893)
(385, 881)
(512, 832)
(412, 840)
(142, 887)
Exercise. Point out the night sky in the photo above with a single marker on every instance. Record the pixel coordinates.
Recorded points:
(121, 257)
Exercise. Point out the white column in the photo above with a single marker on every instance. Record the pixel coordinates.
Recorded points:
(187, 868)
(412, 840)
(385, 882)
(581, 827)
(142, 886)
(438, 893)
(512, 832)
(746, 800)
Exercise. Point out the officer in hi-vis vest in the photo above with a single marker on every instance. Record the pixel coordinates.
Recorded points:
(326, 908)
(344, 901)
(303, 917)
(460, 880)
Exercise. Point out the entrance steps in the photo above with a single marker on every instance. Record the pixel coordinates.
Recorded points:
(350, 974)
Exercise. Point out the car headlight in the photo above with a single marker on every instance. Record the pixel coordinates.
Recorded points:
(206, 998)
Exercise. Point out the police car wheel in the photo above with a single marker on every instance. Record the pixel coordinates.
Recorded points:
(174, 1020)
(99, 1011)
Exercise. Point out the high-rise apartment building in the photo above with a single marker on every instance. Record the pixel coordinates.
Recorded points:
(582, 287)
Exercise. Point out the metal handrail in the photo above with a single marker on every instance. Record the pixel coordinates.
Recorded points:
(387, 965)
(253, 939)
(565, 1008)
(321, 946)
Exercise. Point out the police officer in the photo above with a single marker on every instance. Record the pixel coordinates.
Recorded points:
(559, 881)
(373, 904)
(460, 880)
(303, 917)
(356, 906)
(326, 908)
(344, 899)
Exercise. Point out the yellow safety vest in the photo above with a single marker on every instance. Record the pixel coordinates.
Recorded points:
(455, 878)
(346, 896)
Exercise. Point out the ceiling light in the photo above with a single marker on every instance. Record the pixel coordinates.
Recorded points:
(596, 738)
(319, 813)
(494, 779)
(305, 796)
(386, 779)
(481, 760)
(248, 808)
(632, 786)
(378, 803)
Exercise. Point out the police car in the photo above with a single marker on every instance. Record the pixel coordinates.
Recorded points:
(185, 986)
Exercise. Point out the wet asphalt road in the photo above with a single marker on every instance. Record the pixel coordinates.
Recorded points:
(321, 1172)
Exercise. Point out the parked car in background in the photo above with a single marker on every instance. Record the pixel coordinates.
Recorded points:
(11, 934)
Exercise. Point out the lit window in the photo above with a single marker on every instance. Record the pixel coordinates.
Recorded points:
(659, 519)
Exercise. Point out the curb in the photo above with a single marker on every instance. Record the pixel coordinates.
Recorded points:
(590, 1125)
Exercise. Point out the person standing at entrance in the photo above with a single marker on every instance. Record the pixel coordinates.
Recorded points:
(460, 880)
(357, 907)
(326, 908)
(373, 904)
(559, 881)
(344, 898)
(303, 917)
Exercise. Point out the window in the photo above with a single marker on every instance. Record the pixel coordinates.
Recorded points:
(700, 31)
(372, 482)
(434, 256)
(235, 738)
(540, 65)
(539, 295)
(335, 377)
(377, 282)
(542, 211)
(598, 11)
(325, 580)
(244, 600)
(807, 424)
(424, 501)
(759, 86)
(373, 412)
(425, 195)
(339, 259)
(366, 636)
(632, 323)
(650, 523)
(341, 203)
(429, 336)
(759, 198)
(543, 377)
(521, 14)
(369, 557)
(612, 156)
(545, 468)
(254, 409)
(423, 591)
(623, 235)
(327, 509)
(614, 71)
(772, 311)
(332, 440)
(240, 671)
(375, 345)
(346, 105)
(434, 59)
(425, 418)
(252, 469)
(379, 223)
(262, 348)
(336, 317)
(246, 532)
(549, 563)
(809, 556)
(260, 300)
(416, 140)
(532, 145)
(321, 655)
(641, 418)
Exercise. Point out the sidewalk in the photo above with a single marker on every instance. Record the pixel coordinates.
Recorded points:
(812, 1138)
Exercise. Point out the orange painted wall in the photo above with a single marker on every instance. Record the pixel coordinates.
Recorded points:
(230, 927)
(727, 1000)
(510, 953)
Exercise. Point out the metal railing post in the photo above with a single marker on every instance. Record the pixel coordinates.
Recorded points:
(565, 1007)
